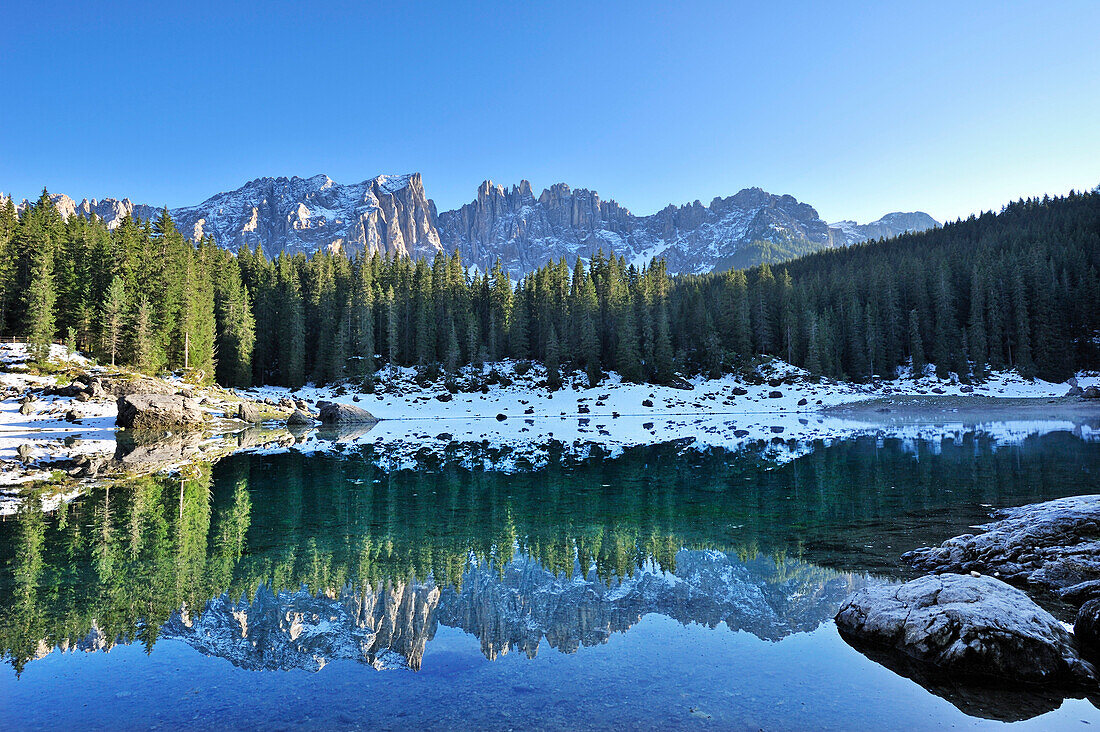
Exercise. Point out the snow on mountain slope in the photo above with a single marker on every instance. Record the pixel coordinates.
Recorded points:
(525, 232)
(387, 214)
(890, 225)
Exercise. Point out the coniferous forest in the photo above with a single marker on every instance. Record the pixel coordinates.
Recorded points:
(1019, 289)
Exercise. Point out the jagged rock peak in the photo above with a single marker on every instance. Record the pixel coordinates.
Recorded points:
(388, 214)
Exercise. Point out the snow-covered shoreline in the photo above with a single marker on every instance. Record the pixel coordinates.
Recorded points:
(502, 417)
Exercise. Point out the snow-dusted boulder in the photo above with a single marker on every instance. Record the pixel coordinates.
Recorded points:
(299, 418)
(248, 412)
(1053, 545)
(156, 411)
(967, 627)
(334, 413)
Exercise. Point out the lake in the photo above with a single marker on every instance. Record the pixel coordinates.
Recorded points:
(662, 587)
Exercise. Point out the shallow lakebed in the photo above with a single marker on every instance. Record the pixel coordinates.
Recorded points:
(667, 586)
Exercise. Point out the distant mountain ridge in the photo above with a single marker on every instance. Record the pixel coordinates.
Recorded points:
(392, 214)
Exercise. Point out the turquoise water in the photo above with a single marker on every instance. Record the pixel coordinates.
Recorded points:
(659, 588)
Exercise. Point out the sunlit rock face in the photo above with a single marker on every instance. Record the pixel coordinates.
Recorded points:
(525, 232)
(389, 214)
(511, 610)
(111, 210)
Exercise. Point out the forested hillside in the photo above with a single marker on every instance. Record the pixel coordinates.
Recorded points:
(1019, 289)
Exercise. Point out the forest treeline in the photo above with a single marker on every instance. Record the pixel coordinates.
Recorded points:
(1019, 289)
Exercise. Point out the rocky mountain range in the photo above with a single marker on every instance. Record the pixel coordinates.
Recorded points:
(392, 214)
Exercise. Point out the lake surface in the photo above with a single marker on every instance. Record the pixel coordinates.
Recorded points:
(661, 587)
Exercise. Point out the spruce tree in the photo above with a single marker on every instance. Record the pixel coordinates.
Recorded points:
(553, 375)
(916, 345)
(141, 335)
(112, 311)
(38, 303)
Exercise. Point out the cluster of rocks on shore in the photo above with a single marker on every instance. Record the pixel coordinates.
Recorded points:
(966, 623)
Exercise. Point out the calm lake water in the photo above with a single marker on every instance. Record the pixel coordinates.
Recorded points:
(661, 588)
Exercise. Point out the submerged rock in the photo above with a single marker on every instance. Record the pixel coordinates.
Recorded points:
(1054, 546)
(333, 413)
(973, 628)
(153, 411)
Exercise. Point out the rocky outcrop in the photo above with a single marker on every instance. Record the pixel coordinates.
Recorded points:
(158, 411)
(525, 232)
(335, 413)
(967, 627)
(1053, 546)
(111, 210)
(389, 214)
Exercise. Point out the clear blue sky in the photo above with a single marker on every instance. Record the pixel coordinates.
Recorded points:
(856, 108)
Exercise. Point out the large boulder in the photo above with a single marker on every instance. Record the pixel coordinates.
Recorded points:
(1054, 546)
(967, 627)
(333, 413)
(298, 417)
(1087, 628)
(124, 384)
(157, 411)
(248, 412)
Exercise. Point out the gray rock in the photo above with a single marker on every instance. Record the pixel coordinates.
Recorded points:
(967, 627)
(248, 412)
(1087, 628)
(1075, 391)
(333, 413)
(1053, 546)
(299, 418)
(154, 411)
(119, 385)
(25, 451)
(27, 409)
(1093, 392)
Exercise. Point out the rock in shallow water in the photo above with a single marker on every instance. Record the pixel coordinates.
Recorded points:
(333, 413)
(155, 411)
(1087, 628)
(1053, 545)
(967, 627)
(248, 412)
(298, 417)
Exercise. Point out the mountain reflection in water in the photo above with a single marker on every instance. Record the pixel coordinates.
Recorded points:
(515, 609)
(293, 561)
